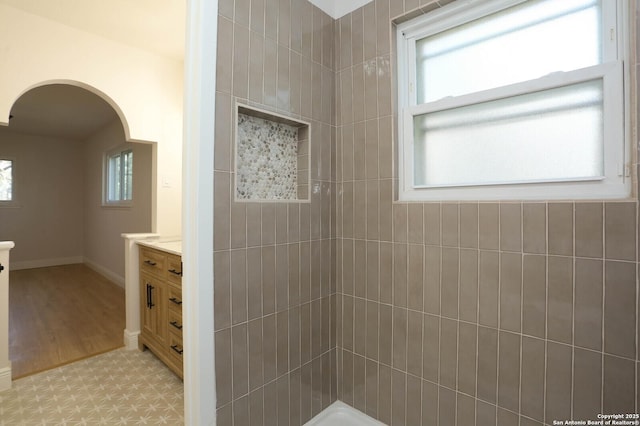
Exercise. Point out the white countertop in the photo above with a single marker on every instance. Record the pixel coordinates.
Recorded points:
(170, 245)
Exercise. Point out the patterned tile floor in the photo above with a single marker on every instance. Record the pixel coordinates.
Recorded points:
(116, 388)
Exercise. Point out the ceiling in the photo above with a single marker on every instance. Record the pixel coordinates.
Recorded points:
(60, 111)
(65, 111)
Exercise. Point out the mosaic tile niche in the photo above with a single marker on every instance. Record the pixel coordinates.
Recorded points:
(272, 160)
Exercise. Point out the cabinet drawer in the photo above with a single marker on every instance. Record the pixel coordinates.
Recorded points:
(175, 322)
(174, 269)
(174, 296)
(175, 348)
(153, 262)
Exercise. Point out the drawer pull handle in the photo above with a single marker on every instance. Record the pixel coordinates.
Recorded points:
(175, 348)
(173, 271)
(176, 301)
(150, 262)
(176, 325)
(150, 289)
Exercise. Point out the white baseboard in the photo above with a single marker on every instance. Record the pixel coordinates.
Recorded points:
(5, 379)
(107, 273)
(43, 263)
(131, 339)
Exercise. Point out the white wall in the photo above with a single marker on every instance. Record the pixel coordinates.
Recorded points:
(103, 226)
(144, 88)
(47, 223)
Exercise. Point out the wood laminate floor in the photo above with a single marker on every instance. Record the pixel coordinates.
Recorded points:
(62, 314)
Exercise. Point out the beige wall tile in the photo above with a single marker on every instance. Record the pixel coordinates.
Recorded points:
(466, 410)
(371, 388)
(432, 272)
(468, 301)
(256, 408)
(534, 227)
(429, 403)
(532, 378)
(373, 265)
(488, 226)
(511, 227)
(446, 407)
(432, 224)
(619, 309)
(448, 353)
(510, 291)
(619, 385)
(485, 413)
(384, 394)
(450, 232)
(450, 282)
(589, 220)
(489, 283)
(588, 304)
(534, 295)
(372, 330)
(398, 397)
(620, 231)
(414, 343)
(487, 364)
(399, 339)
(558, 381)
(240, 353)
(415, 281)
(238, 286)
(222, 289)
(467, 358)
(587, 384)
(400, 274)
(560, 228)
(415, 222)
(431, 347)
(469, 225)
(509, 371)
(414, 400)
(560, 299)
(224, 378)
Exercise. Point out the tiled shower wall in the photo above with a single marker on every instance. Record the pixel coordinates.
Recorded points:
(274, 276)
(434, 313)
(469, 313)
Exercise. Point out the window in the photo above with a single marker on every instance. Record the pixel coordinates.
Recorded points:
(513, 99)
(119, 177)
(6, 181)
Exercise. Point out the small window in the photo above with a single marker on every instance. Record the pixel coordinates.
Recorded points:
(119, 177)
(6, 181)
(513, 99)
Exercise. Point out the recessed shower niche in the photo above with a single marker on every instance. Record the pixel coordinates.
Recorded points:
(272, 157)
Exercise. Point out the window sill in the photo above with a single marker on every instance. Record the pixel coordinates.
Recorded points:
(117, 206)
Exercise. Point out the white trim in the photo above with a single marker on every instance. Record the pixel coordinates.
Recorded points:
(45, 263)
(5, 378)
(107, 273)
(5, 362)
(197, 212)
(132, 285)
(615, 184)
(130, 339)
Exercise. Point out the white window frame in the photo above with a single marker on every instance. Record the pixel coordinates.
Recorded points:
(14, 200)
(616, 182)
(106, 202)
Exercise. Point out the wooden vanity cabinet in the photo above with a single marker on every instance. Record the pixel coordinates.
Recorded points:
(161, 306)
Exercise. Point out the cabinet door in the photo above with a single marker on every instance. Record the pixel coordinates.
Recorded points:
(154, 307)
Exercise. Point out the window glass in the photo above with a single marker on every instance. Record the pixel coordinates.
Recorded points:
(119, 177)
(6, 180)
(521, 43)
(513, 99)
(513, 140)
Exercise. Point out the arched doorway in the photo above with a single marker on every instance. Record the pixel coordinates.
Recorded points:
(62, 139)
